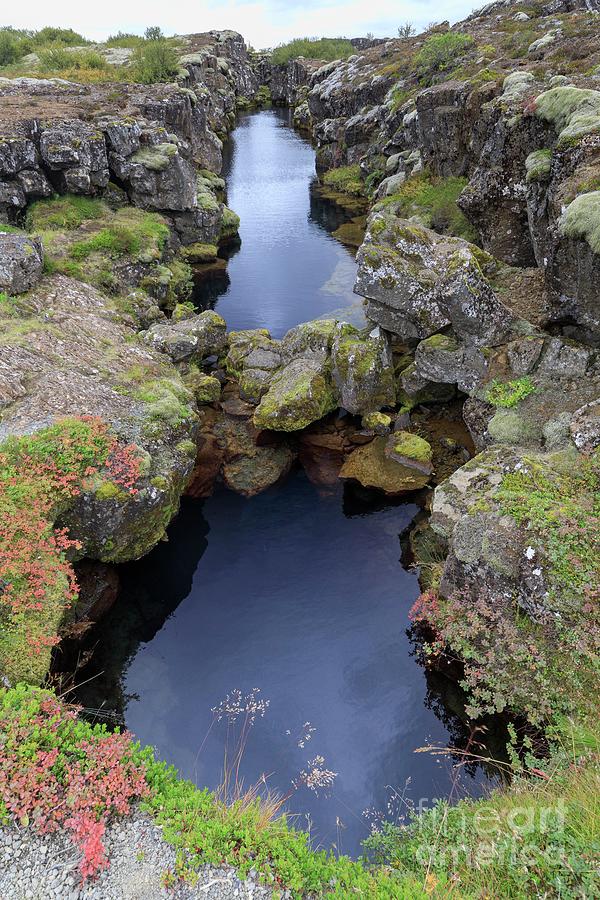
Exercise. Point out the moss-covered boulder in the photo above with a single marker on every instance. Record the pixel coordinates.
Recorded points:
(373, 468)
(21, 262)
(411, 451)
(199, 253)
(309, 339)
(362, 369)
(252, 359)
(205, 388)
(299, 394)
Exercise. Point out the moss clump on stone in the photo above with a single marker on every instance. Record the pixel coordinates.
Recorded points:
(205, 388)
(581, 219)
(108, 490)
(412, 446)
(205, 195)
(199, 253)
(507, 394)
(157, 158)
(230, 224)
(298, 395)
(345, 180)
(183, 311)
(377, 421)
(573, 111)
(538, 164)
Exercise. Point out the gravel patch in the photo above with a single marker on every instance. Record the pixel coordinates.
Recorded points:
(34, 867)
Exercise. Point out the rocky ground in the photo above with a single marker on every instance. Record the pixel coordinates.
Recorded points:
(142, 867)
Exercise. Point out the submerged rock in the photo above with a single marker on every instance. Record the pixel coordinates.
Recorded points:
(373, 468)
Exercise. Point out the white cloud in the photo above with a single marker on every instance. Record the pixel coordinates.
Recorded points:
(263, 23)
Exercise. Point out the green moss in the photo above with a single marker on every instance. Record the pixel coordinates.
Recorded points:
(510, 393)
(157, 158)
(581, 219)
(573, 111)
(188, 448)
(263, 96)
(345, 180)
(159, 482)
(230, 224)
(10, 229)
(376, 421)
(108, 490)
(405, 443)
(538, 164)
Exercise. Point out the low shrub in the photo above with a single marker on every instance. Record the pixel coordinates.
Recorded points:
(59, 772)
(440, 54)
(326, 49)
(59, 59)
(154, 60)
(124, 39)
(507, 394)
(40, 475)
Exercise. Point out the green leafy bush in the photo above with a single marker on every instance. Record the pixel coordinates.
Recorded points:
(312, 48)
(124, 39)
(65, 36)
(440, 54)
(58, 59)
(155, 60)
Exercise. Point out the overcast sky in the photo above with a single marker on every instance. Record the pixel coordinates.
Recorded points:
(264, 23)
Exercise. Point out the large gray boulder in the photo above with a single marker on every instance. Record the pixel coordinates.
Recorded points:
(362, 369)
(199, 336)
(417, 282)
(21, 262)
(299, 394)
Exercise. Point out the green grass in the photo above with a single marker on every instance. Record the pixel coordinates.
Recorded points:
(66, 212)
(326, 49)
(432, 201)
(440, 54)
(539, 837)
(60, 59)
(509, 394)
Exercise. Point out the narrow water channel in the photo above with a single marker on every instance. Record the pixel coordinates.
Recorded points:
(298, 592)
(289, 268)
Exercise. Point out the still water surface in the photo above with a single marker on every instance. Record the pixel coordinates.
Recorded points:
(298, 592)
(289, 268)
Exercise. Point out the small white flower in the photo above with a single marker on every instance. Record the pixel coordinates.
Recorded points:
(530, 553)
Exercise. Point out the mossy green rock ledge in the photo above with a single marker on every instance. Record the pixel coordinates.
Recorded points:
(300, 394)
(372, 467)
(411, 451)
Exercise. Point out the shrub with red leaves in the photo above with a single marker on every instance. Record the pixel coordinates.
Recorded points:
(59, 772)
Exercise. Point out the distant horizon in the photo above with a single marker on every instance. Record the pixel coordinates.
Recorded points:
(263, 24)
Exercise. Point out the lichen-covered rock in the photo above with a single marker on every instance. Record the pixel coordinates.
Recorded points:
(362, 369)
(198, 337)
(309, 339)
(252, 359)
(21, 262)
(205, 388)
(299, 394)
(372, 467)
(417, 282)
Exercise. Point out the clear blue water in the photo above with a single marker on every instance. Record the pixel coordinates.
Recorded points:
(289, 268)
(299, 592)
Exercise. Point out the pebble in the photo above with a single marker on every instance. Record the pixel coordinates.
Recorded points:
(44, 867)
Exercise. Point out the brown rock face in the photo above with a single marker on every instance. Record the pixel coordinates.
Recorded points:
(372, 468)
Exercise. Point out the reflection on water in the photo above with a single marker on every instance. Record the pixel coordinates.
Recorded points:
(299, 593)
(289, 268)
